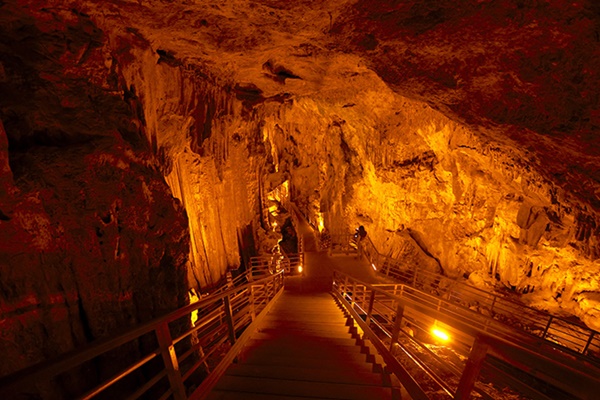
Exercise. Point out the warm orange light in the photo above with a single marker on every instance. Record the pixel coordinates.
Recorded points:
(194, 298)
(440, 334)
(300, 269)
(320, 222)
(374, 267)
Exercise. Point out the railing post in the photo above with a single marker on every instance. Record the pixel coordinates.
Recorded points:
(589, 341)
(492, 306)
(397, 325)
(472, 369)
(415, 276)
(547, 327)
(251, 301)
(165, 343)
(229, 319)
(370, 307)
(345, 286)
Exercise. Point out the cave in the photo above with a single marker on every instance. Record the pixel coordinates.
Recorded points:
(146, 147)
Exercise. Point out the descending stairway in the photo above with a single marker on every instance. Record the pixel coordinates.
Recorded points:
(306, 348)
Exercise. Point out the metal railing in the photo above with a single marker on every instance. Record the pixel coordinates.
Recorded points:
(177, 354)
(568, 334)
(379, 314)
(339, 243)
(387, 307)
(263, 265)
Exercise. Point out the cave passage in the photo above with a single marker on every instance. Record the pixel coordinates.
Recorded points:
(154, 155)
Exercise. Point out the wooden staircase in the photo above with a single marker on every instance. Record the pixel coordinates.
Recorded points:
(306, 348)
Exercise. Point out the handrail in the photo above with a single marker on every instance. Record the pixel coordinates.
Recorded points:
(568, 334)
(235, 309)
(289, 263)
(386, 306)
(363, 312)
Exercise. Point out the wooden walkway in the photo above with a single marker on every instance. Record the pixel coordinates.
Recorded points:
(305, 349)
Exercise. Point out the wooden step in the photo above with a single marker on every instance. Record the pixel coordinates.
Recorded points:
(323, 330)
(307, 362)
(347, 354)
(264, 336)
(284, 387)
(305, 349)
(316, 374)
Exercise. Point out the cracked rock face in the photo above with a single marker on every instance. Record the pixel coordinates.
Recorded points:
(462, 135)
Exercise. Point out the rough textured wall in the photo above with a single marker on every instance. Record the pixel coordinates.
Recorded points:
(481, 159)
(197, 130)
(524, 184)
(438, 194)
(91, 239)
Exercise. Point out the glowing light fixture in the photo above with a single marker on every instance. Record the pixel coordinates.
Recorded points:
(194, 298)
(300, 269)
(374, 267)
(440, 334)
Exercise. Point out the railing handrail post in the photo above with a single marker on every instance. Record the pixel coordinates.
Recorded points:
(589, 341)
(472, 369)
(370, 307)
(415, 269)
(229, 319)
(547, 326)
(169, 356)
(252, 305)
(397, 326)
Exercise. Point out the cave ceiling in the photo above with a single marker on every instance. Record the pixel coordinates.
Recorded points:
(524, 73)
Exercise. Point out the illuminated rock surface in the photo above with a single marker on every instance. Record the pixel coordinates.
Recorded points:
(463, 137)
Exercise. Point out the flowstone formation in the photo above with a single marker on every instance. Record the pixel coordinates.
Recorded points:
(462, 135)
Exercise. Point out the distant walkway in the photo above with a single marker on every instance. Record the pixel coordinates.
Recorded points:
(318, 266)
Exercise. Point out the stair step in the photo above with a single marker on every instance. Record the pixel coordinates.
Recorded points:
(307, 374)
(304, 320)
(305, 352)
(284, 326)
(284, 387)
(306, 362)
(343, 341)
(310, 332)
(303, 349)
(220, 395)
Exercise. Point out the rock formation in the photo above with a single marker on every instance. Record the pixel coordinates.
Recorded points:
(462, 135)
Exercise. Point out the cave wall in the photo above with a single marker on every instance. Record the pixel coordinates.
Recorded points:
(525, 179)
(439, 194)
(91, 239)
(195, 125)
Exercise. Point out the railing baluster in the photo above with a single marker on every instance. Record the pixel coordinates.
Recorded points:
(370, 307)
(415, 276)
(547, 327)
(229, 319)
(397, 325)
(165, 343)
(251, 302)
(472, 369)
(589, 341)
